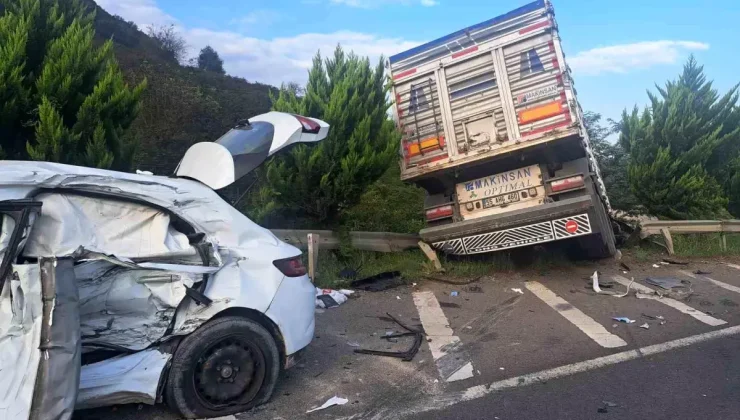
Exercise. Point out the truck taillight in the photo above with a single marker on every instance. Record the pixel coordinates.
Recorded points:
(567, 183)
(291, 267)
(439, 212)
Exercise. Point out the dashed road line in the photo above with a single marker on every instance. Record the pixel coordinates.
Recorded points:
(585, 323)
(711, 280)
(445, 400)
(648, 293)
(447, 350)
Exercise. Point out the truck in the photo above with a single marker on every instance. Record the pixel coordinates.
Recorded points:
(492, 130)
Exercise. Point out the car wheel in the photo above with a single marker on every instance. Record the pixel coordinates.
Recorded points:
(226, 366)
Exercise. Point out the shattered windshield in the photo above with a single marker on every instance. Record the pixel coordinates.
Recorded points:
(249, 145)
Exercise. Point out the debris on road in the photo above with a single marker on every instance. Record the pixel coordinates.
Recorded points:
(329, 403)
(700, 272)
(461, 282)
(676, 262)
(517, 290)
(475, 289)
(449, 305)
(597, 289)
(353, 344)
(379, 282)
(656, 266)
(624, 319)
(645, 326)
(666, 283)
(624, 266)
(610, 404)
(454, 293)
(407, 355)
(328, 298)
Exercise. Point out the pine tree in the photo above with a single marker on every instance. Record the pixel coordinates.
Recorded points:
(209, 60)
(675, 147)
(319, 181)
(61, 98)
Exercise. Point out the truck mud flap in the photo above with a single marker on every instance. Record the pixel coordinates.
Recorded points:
(535, 233)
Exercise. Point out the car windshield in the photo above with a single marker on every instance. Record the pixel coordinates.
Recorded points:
(249, 145)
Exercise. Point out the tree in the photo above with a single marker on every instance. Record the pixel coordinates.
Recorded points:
(675, 146)
(209, 60)
(170, 41)
(61, 98)
(613, 161)
(320, 181)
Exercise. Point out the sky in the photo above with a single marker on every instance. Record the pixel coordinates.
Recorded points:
(616, 49)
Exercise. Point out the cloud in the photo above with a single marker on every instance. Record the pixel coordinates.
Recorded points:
(141, 12)
(626, 57)
(261, 17)
(288, 59)
(371, 4)
(273, 61)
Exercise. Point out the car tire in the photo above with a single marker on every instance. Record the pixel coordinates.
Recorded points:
(226, 366)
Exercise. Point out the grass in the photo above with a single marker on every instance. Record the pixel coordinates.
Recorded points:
(412, 264)
(705, 245)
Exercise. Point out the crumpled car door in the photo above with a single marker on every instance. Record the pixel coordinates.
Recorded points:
(39, 325)
(246, 146)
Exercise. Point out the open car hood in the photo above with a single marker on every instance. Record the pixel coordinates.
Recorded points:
(246, 146)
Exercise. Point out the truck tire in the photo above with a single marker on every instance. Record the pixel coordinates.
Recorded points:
(226, 366)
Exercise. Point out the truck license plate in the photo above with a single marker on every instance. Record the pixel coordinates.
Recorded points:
(500, 200)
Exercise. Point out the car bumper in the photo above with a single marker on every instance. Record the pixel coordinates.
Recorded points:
(292, 310)
(518, 228)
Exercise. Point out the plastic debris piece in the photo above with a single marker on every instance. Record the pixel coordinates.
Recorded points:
(656, 266)
(517, 290)
(454, 293)
(328, 298)
(595, 282)
(645, 326)
(666, 283)
(353, 344)
(624, 319)
(610, 404)
(660, 317)
(664, 263)
(662, 322)
(329, 403)
(398, 297)
(700, 272)
(413, 284)
(501, 368)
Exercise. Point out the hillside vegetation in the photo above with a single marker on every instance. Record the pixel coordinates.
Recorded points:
(181, 105)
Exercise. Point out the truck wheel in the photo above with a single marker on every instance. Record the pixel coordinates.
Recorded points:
(226, 366)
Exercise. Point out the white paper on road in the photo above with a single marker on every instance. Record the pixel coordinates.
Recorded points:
(330, 402)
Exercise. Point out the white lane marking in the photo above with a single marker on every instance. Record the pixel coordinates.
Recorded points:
(735, 266)
(711, 280)
(443, 401)
(446, 348)
(584, 322)
(673, 303)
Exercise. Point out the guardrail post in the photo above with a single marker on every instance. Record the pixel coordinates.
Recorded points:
(723, 241)
(668, 240)
(313, 255)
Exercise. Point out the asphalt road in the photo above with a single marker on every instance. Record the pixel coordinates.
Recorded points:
(488, 345)
(697, 382)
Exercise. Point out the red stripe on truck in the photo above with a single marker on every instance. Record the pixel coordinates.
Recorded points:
(404, 74)
(556, 63)
(551, 44)
(465, 52)
(534, 27)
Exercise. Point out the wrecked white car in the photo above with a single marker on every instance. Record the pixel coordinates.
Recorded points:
(122, 288)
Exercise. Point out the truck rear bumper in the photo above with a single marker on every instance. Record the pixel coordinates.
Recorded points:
(518, 228)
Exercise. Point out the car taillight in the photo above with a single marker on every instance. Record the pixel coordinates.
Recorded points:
(439, 212)
(291, 267)
(567, 183)
(309, 125)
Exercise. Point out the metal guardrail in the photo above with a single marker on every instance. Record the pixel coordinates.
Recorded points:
(366, 241)
(667, 227)
(654, 227)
